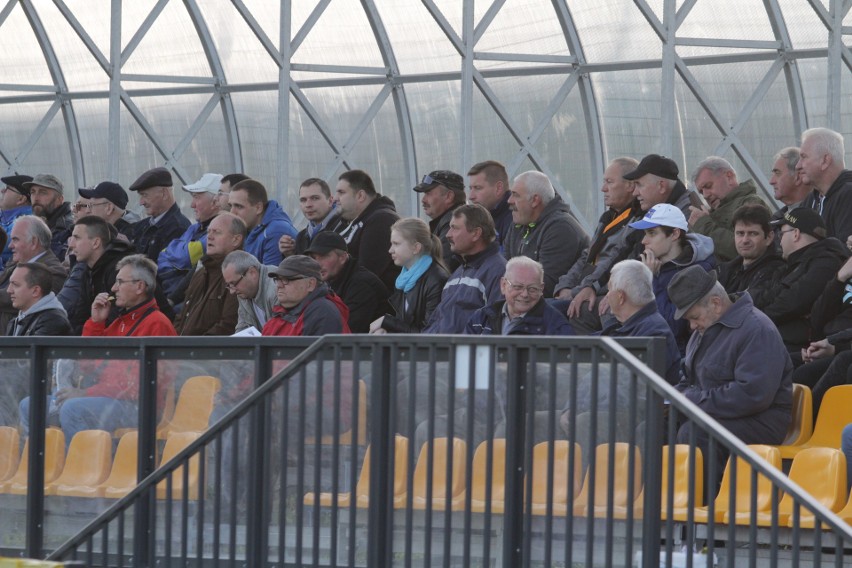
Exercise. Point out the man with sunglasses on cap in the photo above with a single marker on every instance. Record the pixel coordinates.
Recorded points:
(14, 202)
(443, 192)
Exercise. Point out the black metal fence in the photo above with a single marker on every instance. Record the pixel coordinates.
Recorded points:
(417, 451)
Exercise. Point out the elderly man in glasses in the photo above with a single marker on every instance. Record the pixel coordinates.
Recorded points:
(14, 202)
(524, 311)
(107, 200)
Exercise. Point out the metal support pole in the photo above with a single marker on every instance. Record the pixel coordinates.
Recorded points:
(144, 521)
(379, 538)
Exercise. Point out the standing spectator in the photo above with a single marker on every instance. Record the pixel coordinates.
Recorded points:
(544, 228)
(361, 290)
(228, 182)
(476, 283)
(49, 203)
(717, 181)
(822, 166)
(370, 217)
(108, 201)
(165, 222)
(317, 206)
(256, 294)
(208, 308)
(418, 287)
(489, 187)
(265, 221)
(443, 192)
(14, 202)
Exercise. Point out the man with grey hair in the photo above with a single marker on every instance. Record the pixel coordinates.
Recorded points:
(716, 180)
(544, 228)
(822, 167)
(736, 367)
(787, 182)
(657, 182)
(29, 241)
(248, 279)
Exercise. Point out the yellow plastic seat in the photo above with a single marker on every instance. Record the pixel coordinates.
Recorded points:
(832, 418)
(802, 426)
(344, 499)
(819, 471)
(54, 461)
(442, 489)
(122, 476)
(345, 438)
(176, 443)
(742, 503)
(681, 502)
(560, 497)
(845, 513)
(479, 479)
(621, 479)
(10, 451)
(86, 465)
(193, 408)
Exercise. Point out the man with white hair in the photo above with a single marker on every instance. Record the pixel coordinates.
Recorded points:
(822, 166)
(716, 180)
(544, 228)
(787, 182)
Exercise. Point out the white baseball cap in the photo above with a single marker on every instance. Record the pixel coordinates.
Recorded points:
(208, 183)
(664, 215)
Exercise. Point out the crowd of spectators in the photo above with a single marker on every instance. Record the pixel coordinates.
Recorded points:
(729, 279)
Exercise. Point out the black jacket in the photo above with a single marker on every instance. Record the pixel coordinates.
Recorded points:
(368, 237)
(836, 207)
(61, 223)
(51, 320)
(757, 278)
(440, 227)
(830, 315)
(363, 293)
(57, 272)
(422, 300)
(336, 224)
(151, 239)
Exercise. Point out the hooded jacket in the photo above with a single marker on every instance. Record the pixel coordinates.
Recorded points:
(368, 238)
(45, 317)
(555, 240)
(57, 271)
(322, 312)
(718, 225)
(262, 240)
(836, 208)
(266, 298)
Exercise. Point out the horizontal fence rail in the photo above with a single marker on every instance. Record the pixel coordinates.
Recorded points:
(399, 451)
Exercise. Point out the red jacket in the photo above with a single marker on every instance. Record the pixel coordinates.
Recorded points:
(120, 379)
(321, 313)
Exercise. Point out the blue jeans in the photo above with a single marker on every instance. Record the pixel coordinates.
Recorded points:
(87, 413)
(846, 447)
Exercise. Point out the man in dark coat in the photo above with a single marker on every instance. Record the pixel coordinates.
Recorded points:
(821, 166)
(165, 222)
(317, 206)
(442, 193)
(49, 203)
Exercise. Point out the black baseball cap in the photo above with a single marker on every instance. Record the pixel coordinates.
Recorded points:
(661, 166)
(108, 190)
(326, 241)
(450, 180)
(805, 219)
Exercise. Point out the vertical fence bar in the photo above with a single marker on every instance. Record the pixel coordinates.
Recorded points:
(379, 543)
(515, 435)
(35, 475)
(144, 518)
(257, 531)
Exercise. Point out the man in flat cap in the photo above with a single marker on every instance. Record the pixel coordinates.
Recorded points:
(736, 367)
(14, 202)
(165, 222)
(182, 254)
(49, 203)
(108, 200)
(306, 305)
(443, 192)
(657, 181)
(361, 290)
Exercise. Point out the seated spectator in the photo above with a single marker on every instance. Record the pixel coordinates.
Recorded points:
(181, 255)
(248, 279)
(787, 182)
(669, 249)
(476, 282)
(657, 182)
(545, 230)
(757, 262)
(822, 166)
(317, 206)
(489, 187)
(736, 368)
(39, 312)
(108, 201)
(717, 181)
(14, 202)
(418, 287)
(812, 260)
(165, 222)
(208, 308)
(265, 221)
(228, 182)
(443, 192)
(29, 241)
(49, 203)
(524, 310)
(306, 305)
(110, 403)
(361, 290)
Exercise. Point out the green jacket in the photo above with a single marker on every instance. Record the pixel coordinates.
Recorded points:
(718, 224)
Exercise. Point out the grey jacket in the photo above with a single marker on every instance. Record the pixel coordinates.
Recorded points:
(266, 299)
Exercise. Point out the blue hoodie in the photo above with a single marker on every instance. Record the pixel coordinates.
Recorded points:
(262, 241)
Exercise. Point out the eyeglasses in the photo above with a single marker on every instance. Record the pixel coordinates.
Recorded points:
(233, 285)
(119, 281)
(279, 281)
(91, 205)
(79, 206)
(10, 188)
(787, 231)
(531, 289)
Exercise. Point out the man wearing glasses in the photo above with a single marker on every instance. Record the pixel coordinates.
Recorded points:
(248, 280)
(524, 311)
(107, 200)
(14, 202)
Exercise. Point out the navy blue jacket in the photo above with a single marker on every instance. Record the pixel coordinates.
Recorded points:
(543, 319)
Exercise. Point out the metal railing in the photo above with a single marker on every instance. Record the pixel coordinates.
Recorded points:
(423, 451)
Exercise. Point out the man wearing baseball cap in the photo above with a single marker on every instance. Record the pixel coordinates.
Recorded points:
(108, 200)
(306, 305)
(14, 202)
(165, 222)
(657, 182)
(442, 191)
(182, 254)
(49, 203)
(361, 290)
(812, 260)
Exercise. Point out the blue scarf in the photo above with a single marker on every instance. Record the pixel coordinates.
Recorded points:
(409, 276)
